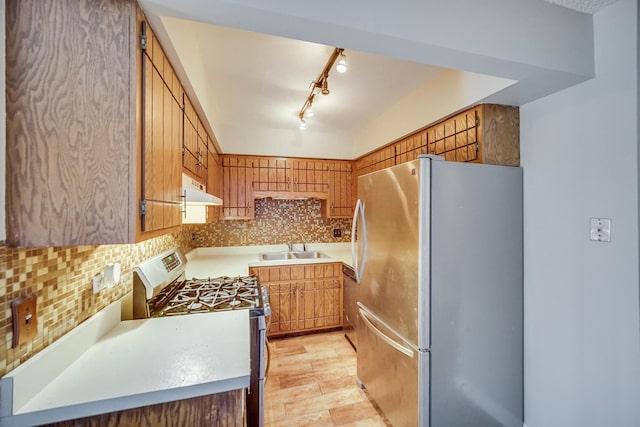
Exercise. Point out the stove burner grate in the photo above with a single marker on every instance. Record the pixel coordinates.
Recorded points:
(217, 294)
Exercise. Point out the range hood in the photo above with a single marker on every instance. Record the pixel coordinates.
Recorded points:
(195, 193)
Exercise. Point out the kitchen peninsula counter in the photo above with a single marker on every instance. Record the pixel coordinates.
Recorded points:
(107, 365)
(236, 260)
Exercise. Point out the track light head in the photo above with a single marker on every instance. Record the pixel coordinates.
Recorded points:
(342, 63)
(303, 124)
(325, 87)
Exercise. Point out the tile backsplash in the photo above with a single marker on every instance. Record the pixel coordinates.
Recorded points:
(62, 279)
(276, 221)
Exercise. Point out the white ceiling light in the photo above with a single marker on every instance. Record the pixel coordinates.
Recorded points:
(303, 124)
(309, 112)
(342, 63)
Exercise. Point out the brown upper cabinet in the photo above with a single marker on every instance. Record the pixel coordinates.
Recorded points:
(97, 135)
(246, 178)
(486, 133)
(72, 106)
(237, 187)
(340, 201)
(162, 125)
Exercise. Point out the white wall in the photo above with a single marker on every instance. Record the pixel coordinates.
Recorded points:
(579, 151)
(443, 94)
(3, 133)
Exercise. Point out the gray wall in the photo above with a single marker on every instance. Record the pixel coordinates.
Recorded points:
(580, 160)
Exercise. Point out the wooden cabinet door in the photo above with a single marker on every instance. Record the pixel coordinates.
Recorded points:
(214, 171)
(456, 139)
(171, 162)
(190, 149)
(340, 202)
(328, 301)
(214, 182)
(195, 146)
(161, 143)
(237, 192)
(70, 122)
(203, 156)
(283, 307)
(153, 194)
(282, 297)
(310, 176)
(271, 174)
(308, 312)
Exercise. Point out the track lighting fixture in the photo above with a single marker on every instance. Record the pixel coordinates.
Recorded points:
(321, 84)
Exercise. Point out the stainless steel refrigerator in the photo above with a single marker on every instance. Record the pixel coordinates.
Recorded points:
(438, 259)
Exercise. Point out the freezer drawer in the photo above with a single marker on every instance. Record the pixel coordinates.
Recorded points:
(391, 372)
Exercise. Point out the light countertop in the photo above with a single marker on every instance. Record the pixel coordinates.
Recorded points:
(135, 363)
(236, 260)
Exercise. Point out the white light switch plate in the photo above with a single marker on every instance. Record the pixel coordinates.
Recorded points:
(601, 229)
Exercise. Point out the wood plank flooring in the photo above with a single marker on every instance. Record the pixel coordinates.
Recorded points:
(312, 382)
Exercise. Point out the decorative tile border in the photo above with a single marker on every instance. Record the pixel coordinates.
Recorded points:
(276, 221)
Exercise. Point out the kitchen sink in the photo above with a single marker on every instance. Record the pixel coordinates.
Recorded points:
(309, 254)
(275, 256)
(282, 256)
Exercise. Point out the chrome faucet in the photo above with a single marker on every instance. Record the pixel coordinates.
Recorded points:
(290, 245)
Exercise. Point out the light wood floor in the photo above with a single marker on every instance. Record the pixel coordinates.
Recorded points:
(312, 382)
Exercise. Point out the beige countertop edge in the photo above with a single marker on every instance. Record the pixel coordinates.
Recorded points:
(122, 403)
(126, 378)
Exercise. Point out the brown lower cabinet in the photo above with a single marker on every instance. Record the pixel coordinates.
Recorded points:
(220, 409)
(303, 297)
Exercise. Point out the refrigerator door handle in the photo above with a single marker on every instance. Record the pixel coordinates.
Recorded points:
(358, 214)
(353, 236)
(364, 315)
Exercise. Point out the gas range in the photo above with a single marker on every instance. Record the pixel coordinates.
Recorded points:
(160, 289)
(211, 294)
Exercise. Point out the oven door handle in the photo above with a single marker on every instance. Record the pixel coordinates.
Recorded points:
(262, 336)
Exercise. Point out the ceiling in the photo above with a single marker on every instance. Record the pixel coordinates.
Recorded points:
(264, 80)
(251, 86)
(585, 6)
